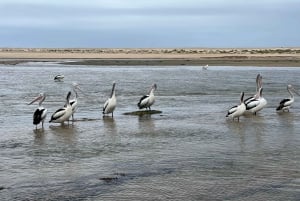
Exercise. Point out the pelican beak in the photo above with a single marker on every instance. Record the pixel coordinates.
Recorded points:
(77, 87)
(34, 100)
(296, 92)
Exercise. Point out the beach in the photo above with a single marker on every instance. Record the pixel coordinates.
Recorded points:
(281, 57)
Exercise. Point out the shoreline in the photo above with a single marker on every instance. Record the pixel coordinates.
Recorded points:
(268, 57)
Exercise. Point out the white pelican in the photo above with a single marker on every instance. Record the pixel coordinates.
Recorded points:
(63, 114)
(74, 101)
(286, 103)
(110, 104)
(147, 100)
(59, 77)
(40, 113)
(205, 67)
(237, 110)
(258, 102)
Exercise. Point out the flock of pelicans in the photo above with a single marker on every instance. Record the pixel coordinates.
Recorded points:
(252, 104)
(64, 113)
(257, 102)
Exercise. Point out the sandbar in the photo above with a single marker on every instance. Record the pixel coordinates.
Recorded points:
(283, 57)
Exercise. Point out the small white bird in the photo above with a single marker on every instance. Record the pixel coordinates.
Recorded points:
(40, 113)
(110, 104)
(147, 100)
(63, 114)
(286, 103)
(237, 110)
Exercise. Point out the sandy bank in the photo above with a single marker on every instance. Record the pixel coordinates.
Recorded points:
(178, 56)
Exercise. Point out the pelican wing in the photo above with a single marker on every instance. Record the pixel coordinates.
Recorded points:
(105, 105)
(252, 104)
(73, 104)
(143, 101)
(283, 103)
(248, 100)
(59, 113)
(39, 115)
(232, 110)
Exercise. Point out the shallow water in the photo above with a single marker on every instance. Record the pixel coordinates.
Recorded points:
(188, 152)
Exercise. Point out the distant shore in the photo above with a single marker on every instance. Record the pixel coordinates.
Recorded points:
(288, 57)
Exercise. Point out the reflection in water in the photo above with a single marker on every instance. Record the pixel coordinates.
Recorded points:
(110, 125)
(286, 118)
(250, 129)
(65, 132)
(146, 123)
(39, 136)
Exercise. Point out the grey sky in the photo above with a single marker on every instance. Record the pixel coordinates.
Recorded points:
(149, 23)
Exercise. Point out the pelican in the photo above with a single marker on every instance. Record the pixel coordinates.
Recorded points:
(205, 67)
(257, 103)
(286, 103)
(63, 114)
(110, 104)
(59, 77)
(74, 102)
(147, 100)
(40, 113)
(237, 110)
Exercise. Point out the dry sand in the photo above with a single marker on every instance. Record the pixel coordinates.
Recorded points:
(161, 56)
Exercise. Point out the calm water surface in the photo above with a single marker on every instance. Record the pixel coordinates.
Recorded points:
(188, 152)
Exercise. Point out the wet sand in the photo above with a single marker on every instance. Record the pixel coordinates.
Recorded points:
(161, 57)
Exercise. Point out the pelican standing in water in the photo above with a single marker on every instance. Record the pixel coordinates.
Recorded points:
(110, 104)
(258, 102)
(74, 101)
(63, 114)
(40, 113)
(237, 110)
(147, 100)
(286, 103)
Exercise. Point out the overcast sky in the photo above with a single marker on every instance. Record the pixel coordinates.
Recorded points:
(149, 23)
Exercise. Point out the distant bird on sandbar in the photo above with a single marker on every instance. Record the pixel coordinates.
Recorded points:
(205, 67)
